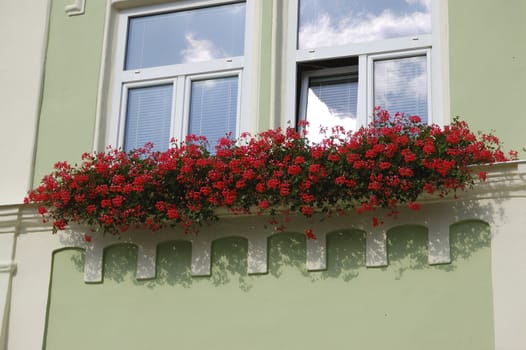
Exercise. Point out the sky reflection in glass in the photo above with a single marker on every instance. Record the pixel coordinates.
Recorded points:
(400, 85)
(324, 23)
(331, 101)
(187, 36)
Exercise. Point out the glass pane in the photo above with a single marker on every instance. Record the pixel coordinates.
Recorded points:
(213, 108)
(337, 22)
(186, 36)
(400, 85)
(148, 117)
(331, 101)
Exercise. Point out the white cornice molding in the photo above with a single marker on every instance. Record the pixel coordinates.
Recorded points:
(21, 219)
(504, 180)
(7, 266)
(75, 9)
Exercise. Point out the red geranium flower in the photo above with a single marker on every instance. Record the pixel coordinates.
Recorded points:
(388, 163)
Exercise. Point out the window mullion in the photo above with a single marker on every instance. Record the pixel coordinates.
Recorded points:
(242, 122)
(179, 115)
(364, 91)
(118, 141)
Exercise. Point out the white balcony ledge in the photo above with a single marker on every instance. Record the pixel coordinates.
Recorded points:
(487, 201)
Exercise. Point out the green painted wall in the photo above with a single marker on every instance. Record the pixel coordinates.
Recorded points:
(265, 71)
(407, 305)
(488, 66)
(67, 116)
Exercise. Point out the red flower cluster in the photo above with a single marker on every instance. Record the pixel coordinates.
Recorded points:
(388, 163)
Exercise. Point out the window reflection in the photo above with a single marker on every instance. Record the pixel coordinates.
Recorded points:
(148, 117)
(325, 23)
(400, 85)
(213, 108)
(186, 37)
(331, 101)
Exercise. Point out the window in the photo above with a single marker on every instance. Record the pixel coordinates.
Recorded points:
(213, 107)
(348, 56)
(180, 68)
(329, 98)
(400, 84)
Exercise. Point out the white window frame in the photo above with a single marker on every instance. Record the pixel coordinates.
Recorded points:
(124, 102)
(184, 125)
(395, 55)
(181, 75)
(434, 46)
(327, 72)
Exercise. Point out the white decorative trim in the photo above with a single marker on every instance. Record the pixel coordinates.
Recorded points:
(5, 291)
(508, 264)
(201, 256)
(376, 247)
(257, 255)
(29, 290)
(75, 9)
(93, 264)
(7, 266)
(440, 216)
(146, 260)
(438, 243)
(316, 253)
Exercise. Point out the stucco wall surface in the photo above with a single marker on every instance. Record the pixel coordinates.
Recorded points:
(67, 117)
(488, 66)
(23, 28)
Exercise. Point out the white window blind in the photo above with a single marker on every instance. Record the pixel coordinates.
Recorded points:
(331, 101)
(400, 85)
(148, 117)
(213, 108)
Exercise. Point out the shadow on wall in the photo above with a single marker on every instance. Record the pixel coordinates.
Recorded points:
(406, 247)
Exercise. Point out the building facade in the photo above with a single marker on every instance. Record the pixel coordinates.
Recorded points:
(80, 74)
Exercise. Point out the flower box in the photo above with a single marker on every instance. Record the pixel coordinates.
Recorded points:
(391, 162)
